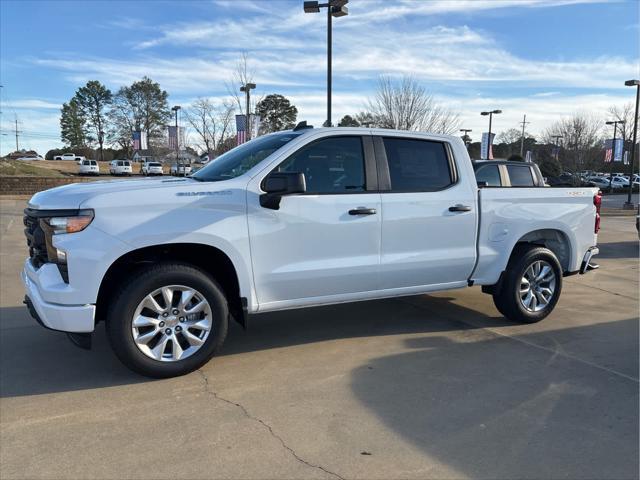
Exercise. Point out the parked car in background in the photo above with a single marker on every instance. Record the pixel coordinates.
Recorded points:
(88, 167)
(120, 167)
(69, 156)
(151, 168)
(603, 183)
(296, 219)
(31, 158)
(180, 169)
(505, 173)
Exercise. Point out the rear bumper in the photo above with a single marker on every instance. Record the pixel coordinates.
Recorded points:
(587, 264)
(65, 318)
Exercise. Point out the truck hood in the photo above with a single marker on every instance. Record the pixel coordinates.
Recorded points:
(73, 195)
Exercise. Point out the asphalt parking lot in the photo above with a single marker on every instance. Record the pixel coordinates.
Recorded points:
(436, 386)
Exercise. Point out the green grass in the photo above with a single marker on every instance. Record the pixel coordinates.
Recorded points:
(16, 168)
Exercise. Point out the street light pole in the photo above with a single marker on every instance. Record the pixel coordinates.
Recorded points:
(613, 148)
(630, 83)
(465, 137)
(329, 86)
(489, 142)
(175, 109)
(335, 8)
(246, 88)
(557, 145)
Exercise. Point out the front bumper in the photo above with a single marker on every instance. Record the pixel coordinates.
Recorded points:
(65, 318)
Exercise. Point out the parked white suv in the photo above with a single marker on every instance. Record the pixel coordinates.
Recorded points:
(88, 167)
(151, 168)
(120, 167)
(289, 220)
(69, 156)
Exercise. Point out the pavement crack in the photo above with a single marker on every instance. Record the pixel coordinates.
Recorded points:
(207, 388)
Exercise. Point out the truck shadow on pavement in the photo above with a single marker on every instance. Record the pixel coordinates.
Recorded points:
(618, 250)
(489, 406)
(38, 361)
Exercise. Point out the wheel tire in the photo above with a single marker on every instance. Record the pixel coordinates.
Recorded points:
(140, 284)
(508, 301)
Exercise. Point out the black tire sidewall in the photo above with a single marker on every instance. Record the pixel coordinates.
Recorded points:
(142, 283)
(510, 294)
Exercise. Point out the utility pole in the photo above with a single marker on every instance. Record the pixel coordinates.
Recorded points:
(523, 122)
(175, 109)
(16, 130)
(465, 138)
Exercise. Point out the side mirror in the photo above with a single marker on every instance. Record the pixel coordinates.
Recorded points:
(482, 184)
(279, 184)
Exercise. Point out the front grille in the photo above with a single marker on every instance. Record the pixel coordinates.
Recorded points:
(35, 239)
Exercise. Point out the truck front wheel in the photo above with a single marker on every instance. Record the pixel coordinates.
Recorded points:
(167, 320)
(531, 285)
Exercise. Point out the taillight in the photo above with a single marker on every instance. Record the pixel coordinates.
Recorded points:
(597, 201)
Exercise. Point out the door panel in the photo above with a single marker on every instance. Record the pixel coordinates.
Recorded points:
(313, 247)
(423, 241)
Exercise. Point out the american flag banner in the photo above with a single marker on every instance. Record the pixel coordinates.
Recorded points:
(135, 136)
(241, 129)
(173, 137)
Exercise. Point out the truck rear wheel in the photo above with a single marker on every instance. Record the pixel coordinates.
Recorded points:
(531, 285)
(167, 320)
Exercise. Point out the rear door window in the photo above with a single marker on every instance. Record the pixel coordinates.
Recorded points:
(417, 165)
(489, 174)
(520, 176)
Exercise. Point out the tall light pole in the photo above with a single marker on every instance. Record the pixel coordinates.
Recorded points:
(335, 8)
(246, 88)
(175, 109)
(631, 83)
(523, 122)
(557, 145)
(465, 138)
(613, 148)
(489, 142)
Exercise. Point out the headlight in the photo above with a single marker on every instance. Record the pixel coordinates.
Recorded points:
(70, 224)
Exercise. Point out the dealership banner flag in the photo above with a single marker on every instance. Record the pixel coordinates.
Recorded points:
(485, 146)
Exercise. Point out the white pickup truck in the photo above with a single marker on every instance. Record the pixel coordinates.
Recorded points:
(69, 156)
(289, 220)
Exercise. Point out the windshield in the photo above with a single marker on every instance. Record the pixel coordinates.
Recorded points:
(243, 158)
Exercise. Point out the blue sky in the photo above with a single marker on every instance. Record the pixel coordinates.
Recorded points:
(545, 58)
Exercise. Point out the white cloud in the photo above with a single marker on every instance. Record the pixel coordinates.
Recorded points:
(29, 103)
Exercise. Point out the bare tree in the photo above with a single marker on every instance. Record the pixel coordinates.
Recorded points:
(211, 122)
(406, 105)
(580, 138)
(624, 113)
(241, 76)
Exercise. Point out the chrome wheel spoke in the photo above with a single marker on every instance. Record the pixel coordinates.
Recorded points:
(203, 324)
(544, 271)
(185, 298)
(193, 340)
(159, 349)
(144, 321)
(167, 294)
(198, 307)
(146, 338)
(150, 303)
(176, 349)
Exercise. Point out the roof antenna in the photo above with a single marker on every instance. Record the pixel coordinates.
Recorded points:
(302, 125)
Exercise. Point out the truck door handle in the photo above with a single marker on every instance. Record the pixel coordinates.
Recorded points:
(362, 211)
(460, 208)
